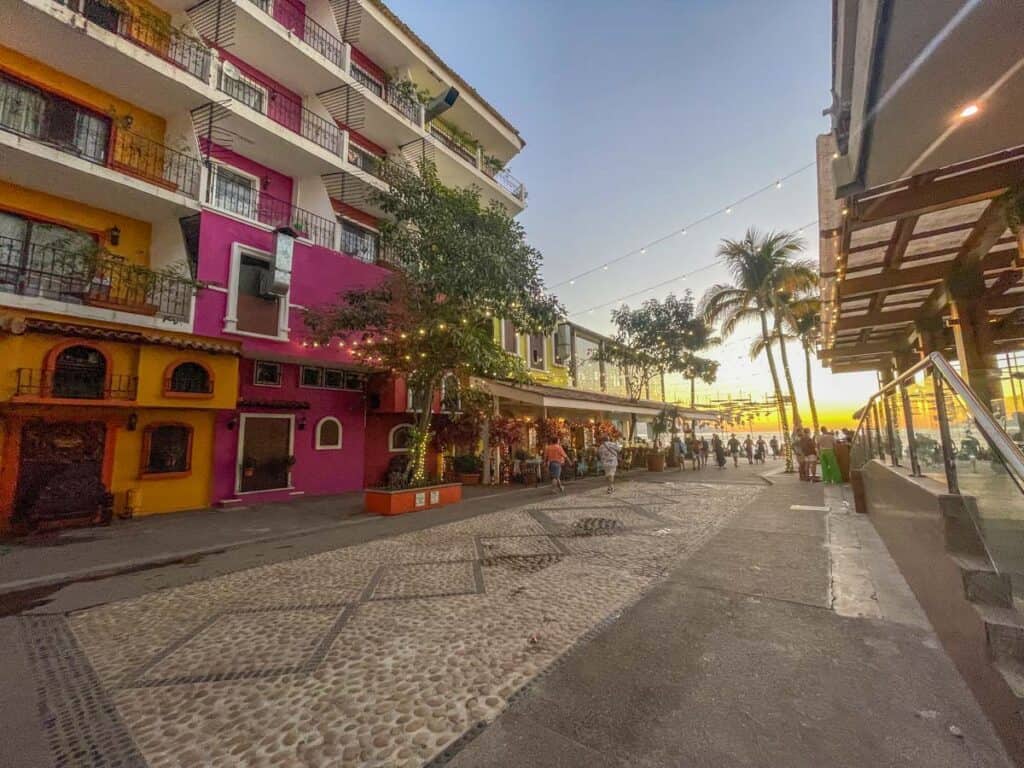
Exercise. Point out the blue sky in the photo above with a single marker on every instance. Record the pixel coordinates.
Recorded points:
(642, 117)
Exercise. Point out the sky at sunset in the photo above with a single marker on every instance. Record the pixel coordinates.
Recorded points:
(643, 118)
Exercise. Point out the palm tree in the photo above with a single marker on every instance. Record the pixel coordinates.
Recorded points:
(804, 321)
(761, 266)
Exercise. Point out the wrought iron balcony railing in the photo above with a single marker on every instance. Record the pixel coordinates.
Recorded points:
(266, 209)
(364, 160)
(78, 382)
(391, 95)
(296, 21)
(64, 125)
(150, 32)
(456, 146)
(283, 110)
(507, 181)
(63, 274)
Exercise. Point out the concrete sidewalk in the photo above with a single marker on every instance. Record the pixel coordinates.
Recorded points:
(790, 640)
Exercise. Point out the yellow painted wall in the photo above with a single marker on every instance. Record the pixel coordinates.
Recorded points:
(135, 235)
(145, 123)
(554, 375)
(165, 495)
(153, 363)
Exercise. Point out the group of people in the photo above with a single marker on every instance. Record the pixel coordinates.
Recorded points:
(808, 451)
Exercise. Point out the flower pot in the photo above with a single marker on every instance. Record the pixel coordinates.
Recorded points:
(655, 462)
(248, 471)
(469, 479)
(381, 501)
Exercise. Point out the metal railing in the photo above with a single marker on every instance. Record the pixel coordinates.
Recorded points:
(510, 183)
(283, 110)
(150, 32)
(456, 146)
(404, 106)
(364, 78)
(364, 247)
(63, 274)
(266, 209)
(930, 422)
(79, 382)
(366, 161)
(298, 22)
(65, 126)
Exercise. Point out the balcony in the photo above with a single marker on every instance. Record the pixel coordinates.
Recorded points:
(138, 57)
(410, 110)
(75, 382)
(57, 146)
(89, 278)
(257, 206)
(274, 35)
(500, 185)
(365, 161)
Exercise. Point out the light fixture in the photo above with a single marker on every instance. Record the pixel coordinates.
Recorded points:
(232, 422)
(643, 251)
(133, 421)
(778, 184)
(684, 232)
(969, 111)
(114, 233)
(605, 267)
(302, 422)
(572, 282)
(728, 210)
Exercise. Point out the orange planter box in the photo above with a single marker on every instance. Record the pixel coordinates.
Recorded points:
(382, 502)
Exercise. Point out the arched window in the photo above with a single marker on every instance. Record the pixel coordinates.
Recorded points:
(167, 449)
(400, 438)
(79, 371)
(190, 379)
(328, 434)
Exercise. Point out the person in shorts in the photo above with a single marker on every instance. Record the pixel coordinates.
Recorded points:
(555, 456)
(608, 454)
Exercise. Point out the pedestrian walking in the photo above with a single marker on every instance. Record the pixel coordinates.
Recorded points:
(734, 450)
(697, 458)
(748, 448)
(678, 452)
(719, 448)
(608, 454)
(555, 456)
(809, 457)
(774, 445)
(705, 450)
(760, 450)
(827, 453)
(796, 444)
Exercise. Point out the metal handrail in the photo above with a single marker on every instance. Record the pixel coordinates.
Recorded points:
(1008, 449)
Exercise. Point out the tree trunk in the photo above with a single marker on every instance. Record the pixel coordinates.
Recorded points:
(779, 402)
(797, 423)
(418, 465)
(693, 391)
(810, 387)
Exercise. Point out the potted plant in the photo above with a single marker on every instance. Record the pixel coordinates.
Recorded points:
(660, 424)
(467, 468)
(248, 467)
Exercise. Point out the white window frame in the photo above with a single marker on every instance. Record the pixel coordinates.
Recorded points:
(341, 435)
(519, 340)
(391, 437)
(257, 188)
(242, 419)
(302, 374)
(238, 250)
(280, 367)
(543, 352)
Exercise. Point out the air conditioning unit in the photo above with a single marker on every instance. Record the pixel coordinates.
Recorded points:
(271, 288)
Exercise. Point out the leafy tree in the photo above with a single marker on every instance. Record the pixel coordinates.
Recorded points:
(763, 270)
(804, 321)
(655, 338)
(464, 265)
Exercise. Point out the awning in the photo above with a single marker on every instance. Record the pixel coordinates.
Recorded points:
(581, 400)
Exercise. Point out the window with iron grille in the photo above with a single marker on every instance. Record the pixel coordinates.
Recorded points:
(190, 378)
(167, 448)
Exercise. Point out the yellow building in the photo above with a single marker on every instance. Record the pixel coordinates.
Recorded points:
(107, 400)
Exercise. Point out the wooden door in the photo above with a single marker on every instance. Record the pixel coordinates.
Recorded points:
(266, 452)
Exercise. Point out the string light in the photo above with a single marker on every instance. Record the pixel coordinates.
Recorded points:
(777, 184)
(662, 284)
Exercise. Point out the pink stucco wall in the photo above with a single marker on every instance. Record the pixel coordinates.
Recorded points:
(272, 183)
(284, 106)
(318, 276)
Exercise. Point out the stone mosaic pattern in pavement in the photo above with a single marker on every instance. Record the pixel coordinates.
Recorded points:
(381, 654)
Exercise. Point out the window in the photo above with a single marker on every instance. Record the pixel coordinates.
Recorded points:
(245, 89)
(266, 374)
(190, 379)
(562, 344)
(235, 192)
(36, 258)
(400, 438)
(331, 378)
(537, 342)
(359, 242)
(102, 14)
(80, 371)
(167, 449)
(328, 434)
(509, 337)
(257, 312)
(312, 377)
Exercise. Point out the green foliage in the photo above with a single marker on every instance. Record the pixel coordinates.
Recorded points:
(467, 464)
(464, 266)
(1013, 198)
(657, 337)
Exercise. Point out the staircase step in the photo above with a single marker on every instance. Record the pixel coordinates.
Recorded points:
(982, 583)
(1004, 628)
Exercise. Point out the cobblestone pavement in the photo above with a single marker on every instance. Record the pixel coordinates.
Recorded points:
(381, 654)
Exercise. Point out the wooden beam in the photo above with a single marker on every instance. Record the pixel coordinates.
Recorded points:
(899, 317)
(926, 274)
(983, 184)
(871, 349)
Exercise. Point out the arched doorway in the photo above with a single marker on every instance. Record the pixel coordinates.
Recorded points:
(79, 371)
